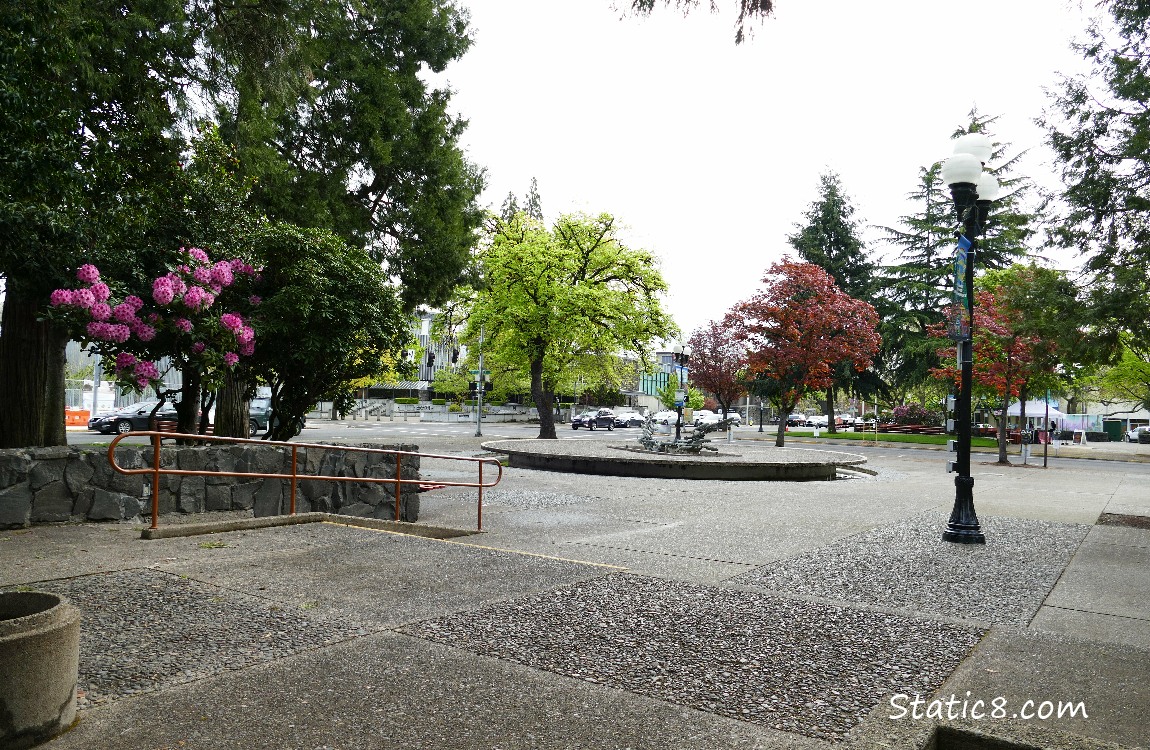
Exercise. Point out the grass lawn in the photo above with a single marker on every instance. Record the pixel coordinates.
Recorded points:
(891, 437)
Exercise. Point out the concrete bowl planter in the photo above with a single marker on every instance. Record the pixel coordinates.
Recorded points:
(39, 660)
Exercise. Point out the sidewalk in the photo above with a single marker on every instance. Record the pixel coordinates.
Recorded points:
(614, 612)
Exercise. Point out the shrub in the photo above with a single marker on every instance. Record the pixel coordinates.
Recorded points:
(438, 401)
(404, 400)
(916, 414)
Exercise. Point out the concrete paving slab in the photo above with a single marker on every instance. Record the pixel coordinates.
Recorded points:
(1121, 535)
(1114, 629)
(1108, 579)
(1016, 667)
(373, 577)
(392, 691)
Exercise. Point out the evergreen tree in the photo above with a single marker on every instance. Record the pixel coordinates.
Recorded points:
(1098, 127)
(509, 208)
(534, 207)
(917, 287)
(830, 240)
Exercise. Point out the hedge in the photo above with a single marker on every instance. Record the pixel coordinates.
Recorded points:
(405, 400)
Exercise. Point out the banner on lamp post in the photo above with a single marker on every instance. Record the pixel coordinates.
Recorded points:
(957, 312)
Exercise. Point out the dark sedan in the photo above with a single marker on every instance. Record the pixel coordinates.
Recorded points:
(593, 419)
(129, 418)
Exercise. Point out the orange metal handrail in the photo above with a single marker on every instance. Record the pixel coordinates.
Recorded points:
(156, 470)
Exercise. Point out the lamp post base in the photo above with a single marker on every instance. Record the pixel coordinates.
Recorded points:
(963, 526)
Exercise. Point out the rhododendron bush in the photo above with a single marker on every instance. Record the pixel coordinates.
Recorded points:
(196, 316)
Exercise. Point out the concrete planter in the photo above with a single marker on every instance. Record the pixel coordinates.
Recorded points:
(39, 661)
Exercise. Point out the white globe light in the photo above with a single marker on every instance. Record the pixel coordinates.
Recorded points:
(961, 168)
(975, 144)
(987, 187)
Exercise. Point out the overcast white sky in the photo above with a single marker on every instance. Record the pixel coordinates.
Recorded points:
(709, 153)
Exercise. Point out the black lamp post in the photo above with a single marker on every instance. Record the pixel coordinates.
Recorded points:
(973, 190)
(680, 355)
(760, 415)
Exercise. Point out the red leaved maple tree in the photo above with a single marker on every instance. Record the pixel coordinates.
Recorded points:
(1003, 354)
(797, 330)
(718, 362)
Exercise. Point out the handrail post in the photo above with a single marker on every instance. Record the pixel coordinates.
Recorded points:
(156, 484)
(293, 479)
(479, 510)
(398, 481)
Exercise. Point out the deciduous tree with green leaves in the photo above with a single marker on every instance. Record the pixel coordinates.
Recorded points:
(550, 297)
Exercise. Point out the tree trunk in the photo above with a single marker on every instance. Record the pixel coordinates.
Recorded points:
(831, 410)
(784, 411)
(1002, 431)
(544, 401)
(232, 419)
(31, 377)
(1023, 392)
(188, 407)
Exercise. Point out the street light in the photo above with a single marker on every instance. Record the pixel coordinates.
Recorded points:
(972, 190)
(680, 355)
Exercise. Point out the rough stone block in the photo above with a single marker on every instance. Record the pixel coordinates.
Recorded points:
(52, 502)
(78, 475)
(360, 509)
(46, 471)
(106, 506)
(14, 467)
(192, 496)
(268, 499)
(16, 506)
(218, 497)
(243, 495)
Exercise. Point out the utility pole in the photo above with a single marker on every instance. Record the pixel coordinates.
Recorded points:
(479, 385)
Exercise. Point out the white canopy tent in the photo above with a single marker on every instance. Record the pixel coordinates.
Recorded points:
(1034, 409)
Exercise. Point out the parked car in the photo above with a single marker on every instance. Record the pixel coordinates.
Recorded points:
(669, 416)
(129, 418)
(1144, 435)
(629, 419)
(734, 416)
(703, 416)
(796, 420)
(593, 419)
(1133, 433)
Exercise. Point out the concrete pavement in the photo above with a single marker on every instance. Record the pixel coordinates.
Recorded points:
(1055, 605)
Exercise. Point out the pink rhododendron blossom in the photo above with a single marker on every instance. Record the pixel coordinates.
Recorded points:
(202, 275)
(124, 360)
(145, 332)
(100, 311)
(119, 333)
(134, 302)
(101, 291)
(236, 264)
(83, 298)
(198, 347)
(178, 285)
(88, 273)
(184, 325)
(254, 300)
(148, 370)
(162, 291)
(245, 334)
(247, 348)
(184, 269)
(222, 273)
(232, 322)
(209, 299)
(198, 254)
(231, 358)
(195, 298)
(61, 297)
(124, 312)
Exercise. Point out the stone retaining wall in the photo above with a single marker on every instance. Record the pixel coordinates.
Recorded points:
(66, 483)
